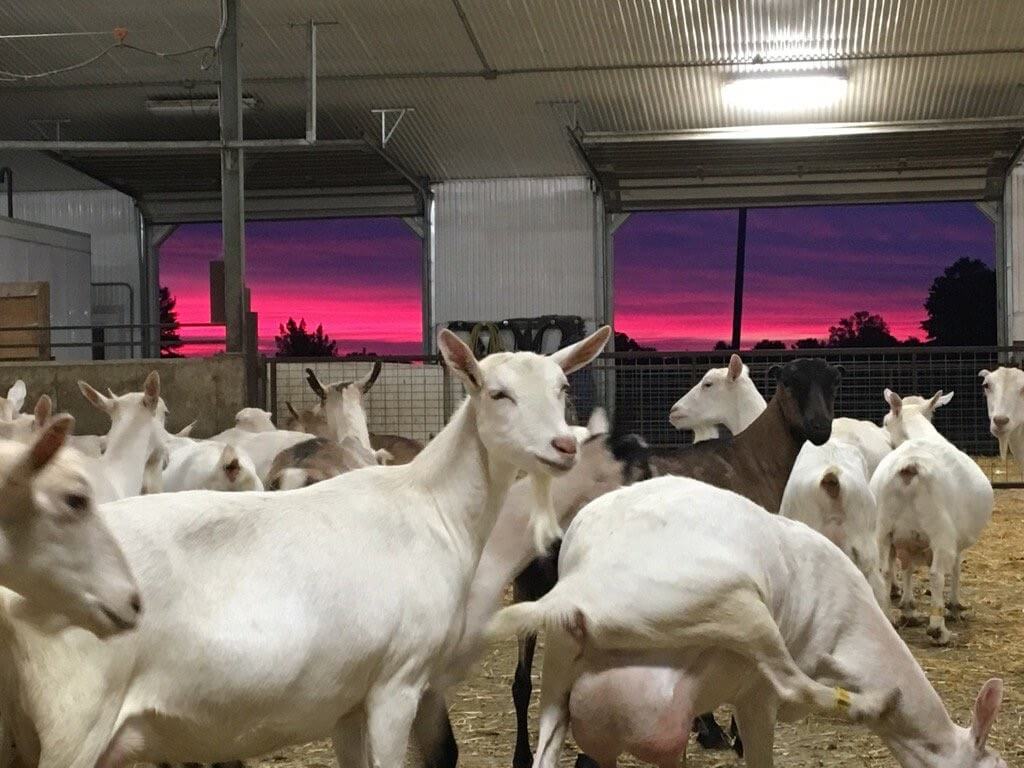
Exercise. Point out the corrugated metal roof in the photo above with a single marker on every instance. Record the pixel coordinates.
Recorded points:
(630, 65)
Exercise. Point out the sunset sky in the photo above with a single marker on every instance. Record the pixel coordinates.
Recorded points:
(806, 268)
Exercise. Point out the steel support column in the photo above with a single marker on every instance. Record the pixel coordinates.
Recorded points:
(427, 275)
(232, 184)
(156, 235)
(737, 297)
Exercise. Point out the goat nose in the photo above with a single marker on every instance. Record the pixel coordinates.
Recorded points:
(135, 603)
(1000, 421)
(565, 445)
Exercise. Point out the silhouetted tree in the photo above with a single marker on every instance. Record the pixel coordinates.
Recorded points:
(769, 344)
(170, 341)
(861, 329)
(722, 345)
(961, 305)
(295, 341)
(626, 343)
(808, 343)
(911, 341)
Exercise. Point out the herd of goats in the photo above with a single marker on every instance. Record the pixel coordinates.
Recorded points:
(350, 580)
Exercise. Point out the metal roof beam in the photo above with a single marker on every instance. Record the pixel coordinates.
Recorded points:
(145, 147)
(802, 131)
(418, 183)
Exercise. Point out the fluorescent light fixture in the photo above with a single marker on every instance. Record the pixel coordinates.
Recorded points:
(197, 106)
(784, 93)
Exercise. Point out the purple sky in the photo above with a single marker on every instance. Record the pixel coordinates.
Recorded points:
(806, 268)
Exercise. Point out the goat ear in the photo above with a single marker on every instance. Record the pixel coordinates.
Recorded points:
(366, 383)
(773, 371)
(16, 395)
(577, 355)
(229, 463)
(315, 385)
(151, 389)
(460, 359)
(102, 402)
(597, 424)
(895, 401)
(983, 373)
(986, 707)
(840, 369)
(50, 440)
(944, 399)
(292, 411)
(735, 367)
(43, 410)
(186, 430)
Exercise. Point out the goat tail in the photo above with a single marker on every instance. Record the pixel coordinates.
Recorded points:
(909, 472)
(525, 619)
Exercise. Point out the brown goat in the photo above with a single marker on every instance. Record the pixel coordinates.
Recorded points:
(316, 460)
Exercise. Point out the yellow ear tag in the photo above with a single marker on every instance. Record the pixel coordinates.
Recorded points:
(842, 698)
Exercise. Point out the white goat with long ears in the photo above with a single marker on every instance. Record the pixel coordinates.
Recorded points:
(675, 597)
(342, 404)
(1004, 396)
(136, 422)
(205, 465)
(361, 587)
(724, 396)
(933, 504)
(55, 551)
(11, 405)
(24, 426)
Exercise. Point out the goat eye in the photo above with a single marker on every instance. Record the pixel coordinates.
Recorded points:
(501, 394)
(77, 502)
(708, 384)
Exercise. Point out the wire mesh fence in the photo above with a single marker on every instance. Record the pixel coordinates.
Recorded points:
(414, 396)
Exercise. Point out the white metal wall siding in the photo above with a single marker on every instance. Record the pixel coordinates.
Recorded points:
(514, 248)
(30, 253)
(1013, 234)
(110, 218)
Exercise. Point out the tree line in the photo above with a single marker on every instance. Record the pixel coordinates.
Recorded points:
(960, 309)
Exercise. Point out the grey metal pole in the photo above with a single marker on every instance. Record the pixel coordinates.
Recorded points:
(737, 297)
(311, 88)
(232, 184)
(427, 274)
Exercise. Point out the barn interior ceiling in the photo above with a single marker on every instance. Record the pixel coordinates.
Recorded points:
(922, 99)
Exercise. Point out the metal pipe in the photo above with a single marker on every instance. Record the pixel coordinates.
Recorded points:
(490, 73)
(7, 178)
(311, 88)
(737, 297)
(251, 145)
(232, 183)
(422, 190)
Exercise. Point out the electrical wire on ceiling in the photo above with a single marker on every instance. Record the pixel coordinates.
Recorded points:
(120, 33)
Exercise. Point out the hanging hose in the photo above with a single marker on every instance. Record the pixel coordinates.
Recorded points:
(7, 178)
(493, 339)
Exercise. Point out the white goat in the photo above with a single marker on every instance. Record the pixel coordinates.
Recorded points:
(11, 405)
(24, 426)
(136, 421)
(261, 447)
(1004, 396)
(205, 465)
(933, 503)
(725, 396)
(55, 551)
(361, 587)
(728, 396)
(675, 597)
(828, 490)
(255, 420)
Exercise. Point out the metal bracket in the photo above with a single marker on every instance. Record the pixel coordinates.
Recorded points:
(394, 112)
(41, 123)
(570, 107)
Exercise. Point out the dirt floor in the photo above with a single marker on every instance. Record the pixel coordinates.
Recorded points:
(990, 642)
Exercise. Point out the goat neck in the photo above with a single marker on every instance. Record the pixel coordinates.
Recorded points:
(771, 445)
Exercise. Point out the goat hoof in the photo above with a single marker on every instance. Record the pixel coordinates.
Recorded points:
(958, 607)
(907, 620)
(939, 635)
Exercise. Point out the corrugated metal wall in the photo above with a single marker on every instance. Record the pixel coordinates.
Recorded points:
(30, 253)
(1013, 243)
(111, 219)
(515, 248)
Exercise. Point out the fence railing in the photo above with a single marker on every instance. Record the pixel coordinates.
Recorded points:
(415, 397)
(100, 341)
